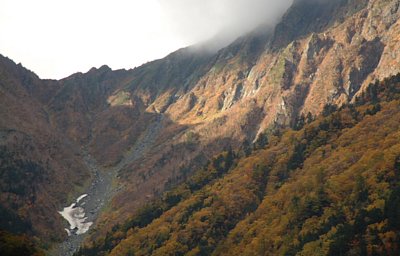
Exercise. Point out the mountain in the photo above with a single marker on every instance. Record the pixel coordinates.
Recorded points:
(36, 159)
(332, 187)
(150, 129)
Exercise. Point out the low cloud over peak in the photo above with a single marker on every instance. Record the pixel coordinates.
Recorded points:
(197, 21)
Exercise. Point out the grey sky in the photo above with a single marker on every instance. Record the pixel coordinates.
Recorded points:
(197, 20)
(58, 38)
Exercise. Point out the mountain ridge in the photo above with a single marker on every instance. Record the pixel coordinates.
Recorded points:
(208, 102)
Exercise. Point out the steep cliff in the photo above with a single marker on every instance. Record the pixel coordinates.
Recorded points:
(158, 123)
(270, 79)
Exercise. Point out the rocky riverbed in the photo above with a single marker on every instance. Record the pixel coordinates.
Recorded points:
(82, 213)
(100, 192)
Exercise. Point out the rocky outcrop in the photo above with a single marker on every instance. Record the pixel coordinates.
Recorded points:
(321, 52)
(269, 79)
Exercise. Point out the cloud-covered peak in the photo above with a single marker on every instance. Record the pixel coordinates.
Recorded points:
(197, 20)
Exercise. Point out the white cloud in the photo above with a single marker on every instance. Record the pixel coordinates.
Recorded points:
(196, 20)
(55, 38)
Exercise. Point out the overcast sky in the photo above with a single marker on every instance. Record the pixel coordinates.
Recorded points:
(56, 38)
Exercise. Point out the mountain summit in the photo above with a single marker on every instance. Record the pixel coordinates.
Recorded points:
(169, 144)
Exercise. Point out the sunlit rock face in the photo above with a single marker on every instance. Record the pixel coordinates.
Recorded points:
(169, 116)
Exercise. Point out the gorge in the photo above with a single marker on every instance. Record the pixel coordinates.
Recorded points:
(268, 146)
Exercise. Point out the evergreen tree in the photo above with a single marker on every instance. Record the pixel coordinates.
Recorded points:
(261, 141)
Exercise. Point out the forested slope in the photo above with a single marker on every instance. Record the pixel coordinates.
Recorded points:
(195, 106)
(331, 187)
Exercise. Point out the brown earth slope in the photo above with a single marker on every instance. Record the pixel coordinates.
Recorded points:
(200, 103)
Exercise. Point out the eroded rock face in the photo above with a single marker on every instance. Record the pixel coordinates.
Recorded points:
(201, 102)
(331, 62)
(268, 79)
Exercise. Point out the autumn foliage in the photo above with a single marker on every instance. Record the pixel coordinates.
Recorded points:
(330, 188)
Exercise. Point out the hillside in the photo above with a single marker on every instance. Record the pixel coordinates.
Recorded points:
(35, 159)
(330, 188)
(260, 82)
(152, 128)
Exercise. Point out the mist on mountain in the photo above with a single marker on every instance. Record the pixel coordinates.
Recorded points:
(221, 20)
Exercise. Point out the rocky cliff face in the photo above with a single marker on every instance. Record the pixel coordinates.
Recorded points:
(201, 102)
(321, 52)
